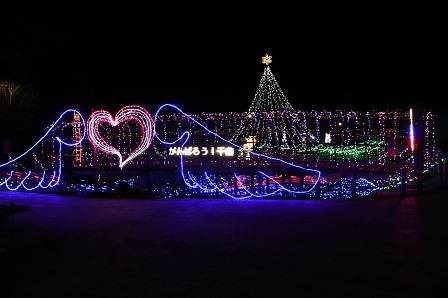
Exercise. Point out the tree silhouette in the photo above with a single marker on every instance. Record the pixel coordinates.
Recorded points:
(19, 109)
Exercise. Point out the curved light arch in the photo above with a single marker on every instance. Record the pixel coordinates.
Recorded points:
(55, 177)
(187, 176)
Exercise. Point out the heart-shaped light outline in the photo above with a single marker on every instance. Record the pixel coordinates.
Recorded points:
(127, 113)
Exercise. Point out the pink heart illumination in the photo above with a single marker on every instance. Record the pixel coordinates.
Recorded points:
(128, 113)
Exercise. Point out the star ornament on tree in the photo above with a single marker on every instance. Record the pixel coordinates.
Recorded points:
(266, 59)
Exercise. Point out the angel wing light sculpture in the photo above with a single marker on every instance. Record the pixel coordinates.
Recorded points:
(209, 182)
(32, 179)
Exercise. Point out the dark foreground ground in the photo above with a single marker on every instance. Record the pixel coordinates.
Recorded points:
(97, 247)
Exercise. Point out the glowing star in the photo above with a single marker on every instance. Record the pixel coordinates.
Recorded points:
(266, 59)
(128, 113)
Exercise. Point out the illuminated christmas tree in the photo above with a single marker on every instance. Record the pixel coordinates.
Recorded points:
(271, 126)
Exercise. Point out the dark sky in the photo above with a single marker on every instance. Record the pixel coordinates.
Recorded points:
(324, 56)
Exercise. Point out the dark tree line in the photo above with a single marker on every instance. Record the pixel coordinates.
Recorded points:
(20, 116)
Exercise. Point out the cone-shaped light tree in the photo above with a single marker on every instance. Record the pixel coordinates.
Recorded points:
(271, 126)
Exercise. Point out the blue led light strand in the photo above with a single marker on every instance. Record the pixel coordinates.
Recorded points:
(54, 178)
(187, 176)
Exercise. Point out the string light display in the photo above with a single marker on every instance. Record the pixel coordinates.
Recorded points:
(32, 179)
(77, 132)
(430, 150)
(375, 137)
(101, 119)
(411, 130)
(300, 136)
(271, 134)
(272, 121)
(209, 183)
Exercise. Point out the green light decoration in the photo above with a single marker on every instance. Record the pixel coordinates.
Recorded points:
(273, 127)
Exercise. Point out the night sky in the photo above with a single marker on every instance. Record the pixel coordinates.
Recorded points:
(324, 57)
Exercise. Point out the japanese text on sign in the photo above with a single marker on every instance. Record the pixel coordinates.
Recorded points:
(202, 151)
